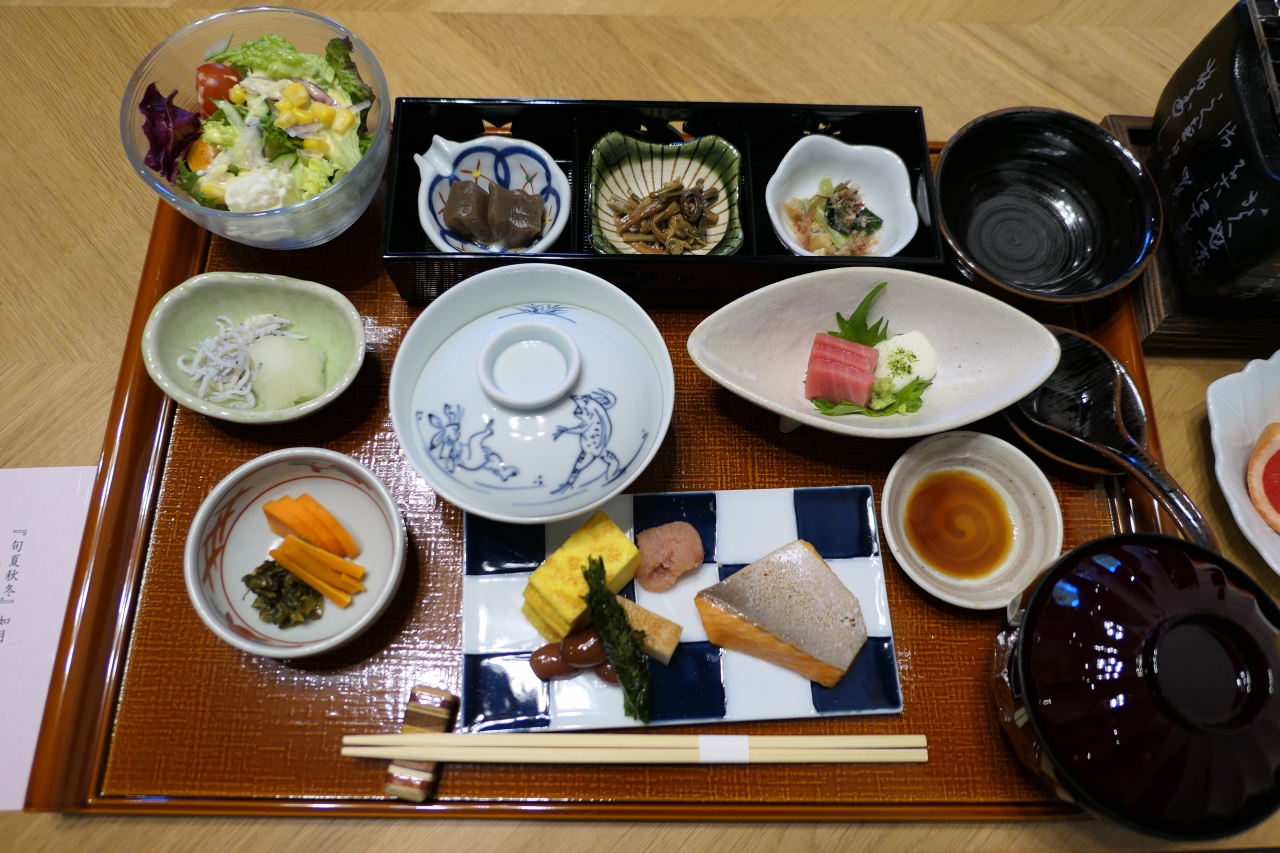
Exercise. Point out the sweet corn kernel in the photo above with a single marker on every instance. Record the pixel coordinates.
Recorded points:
(343, 121)
(297, 93)
(284, 121)
(303, 116)
(236, 95)
(213, 190)
(316, 145)
(284, 104)
(323, 113)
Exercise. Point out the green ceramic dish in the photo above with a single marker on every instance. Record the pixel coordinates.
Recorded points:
(621, 165)
(185, 317)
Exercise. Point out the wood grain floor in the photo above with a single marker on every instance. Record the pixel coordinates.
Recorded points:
(74, 224)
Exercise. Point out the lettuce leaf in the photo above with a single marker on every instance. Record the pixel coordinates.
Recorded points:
(344, 148)
(218, 133)
(169, 129)
(276, 142)
(275, 57)
(187, 180)
(311, 176)
(338, 54)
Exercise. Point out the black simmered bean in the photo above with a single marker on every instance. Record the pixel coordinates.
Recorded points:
(606, 671)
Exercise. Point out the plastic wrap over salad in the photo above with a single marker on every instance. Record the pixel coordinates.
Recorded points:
(276, 126)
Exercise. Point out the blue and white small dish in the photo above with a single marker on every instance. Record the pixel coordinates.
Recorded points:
(703, 682)
(510, 163)
(879, 173)
(531, 393)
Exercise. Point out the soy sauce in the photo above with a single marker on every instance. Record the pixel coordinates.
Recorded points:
(958, 524)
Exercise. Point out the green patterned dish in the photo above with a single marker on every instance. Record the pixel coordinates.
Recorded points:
(621, 165)
(186, 315)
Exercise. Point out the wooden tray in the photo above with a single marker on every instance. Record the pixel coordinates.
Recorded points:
(149, 713)
(1168, 320)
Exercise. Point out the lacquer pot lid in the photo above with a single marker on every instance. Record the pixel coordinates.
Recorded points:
(532, 393)
(1148, 667)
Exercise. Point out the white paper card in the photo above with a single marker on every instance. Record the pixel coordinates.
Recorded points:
(42, 514)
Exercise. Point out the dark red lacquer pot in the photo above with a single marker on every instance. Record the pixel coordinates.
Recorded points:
(1138, 677)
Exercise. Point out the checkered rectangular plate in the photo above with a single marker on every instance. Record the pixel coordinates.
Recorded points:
(703, 682)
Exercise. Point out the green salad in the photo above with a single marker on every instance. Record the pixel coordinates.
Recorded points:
(276, 125)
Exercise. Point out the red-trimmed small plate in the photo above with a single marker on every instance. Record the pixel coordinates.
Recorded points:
(229, 538)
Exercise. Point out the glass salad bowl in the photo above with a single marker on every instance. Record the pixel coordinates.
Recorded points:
(172, 66)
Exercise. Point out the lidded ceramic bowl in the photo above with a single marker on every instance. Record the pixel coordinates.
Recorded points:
(531, 393)
(1138, 678)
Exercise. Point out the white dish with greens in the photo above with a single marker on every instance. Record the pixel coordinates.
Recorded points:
(828, 198)
(988, 354)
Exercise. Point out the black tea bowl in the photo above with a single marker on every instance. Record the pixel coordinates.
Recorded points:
(1138, 679)
(1047, 204)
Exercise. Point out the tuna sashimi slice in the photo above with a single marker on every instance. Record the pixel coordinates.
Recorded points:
(855, 355)
(848, 359)
(836, 382)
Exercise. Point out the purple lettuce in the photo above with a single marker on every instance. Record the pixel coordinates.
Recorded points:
(169, 128)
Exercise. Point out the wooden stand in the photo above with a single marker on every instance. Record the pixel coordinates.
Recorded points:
(1167, 321)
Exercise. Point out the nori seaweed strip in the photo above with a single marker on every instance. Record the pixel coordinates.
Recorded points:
(622, 645)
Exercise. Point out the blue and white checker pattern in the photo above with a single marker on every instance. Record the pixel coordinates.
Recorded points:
(703, 682)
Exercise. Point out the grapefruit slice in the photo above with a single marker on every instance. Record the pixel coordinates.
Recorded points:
(1264, 476)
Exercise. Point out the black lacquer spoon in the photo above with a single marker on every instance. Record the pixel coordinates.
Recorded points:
(1084, 401)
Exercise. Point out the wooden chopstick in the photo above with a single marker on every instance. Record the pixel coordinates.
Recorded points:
(658, 755)
(634, 741)
(576, 748)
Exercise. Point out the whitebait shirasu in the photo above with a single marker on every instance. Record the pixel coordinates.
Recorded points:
(221, 363)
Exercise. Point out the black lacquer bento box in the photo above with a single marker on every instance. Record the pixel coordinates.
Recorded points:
(568, 130)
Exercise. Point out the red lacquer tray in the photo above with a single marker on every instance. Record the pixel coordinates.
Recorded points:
(148, 712)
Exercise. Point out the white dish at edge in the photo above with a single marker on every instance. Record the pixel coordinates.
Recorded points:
(1026, 494)
(543, 464)
(1240, 406)
(989, 354)
(881, 175)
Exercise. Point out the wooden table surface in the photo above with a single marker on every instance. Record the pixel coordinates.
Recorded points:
(74, 224)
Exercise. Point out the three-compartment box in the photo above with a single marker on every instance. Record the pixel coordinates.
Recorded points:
(568, 130)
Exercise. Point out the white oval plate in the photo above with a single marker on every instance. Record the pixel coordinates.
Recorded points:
(879, 173)
(1026, 492)
(1240, 407)
(989, 354)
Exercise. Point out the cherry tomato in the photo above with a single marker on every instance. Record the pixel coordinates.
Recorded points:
(213, 81)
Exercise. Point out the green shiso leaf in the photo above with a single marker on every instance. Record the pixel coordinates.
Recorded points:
(856, 329)
(622, 646)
